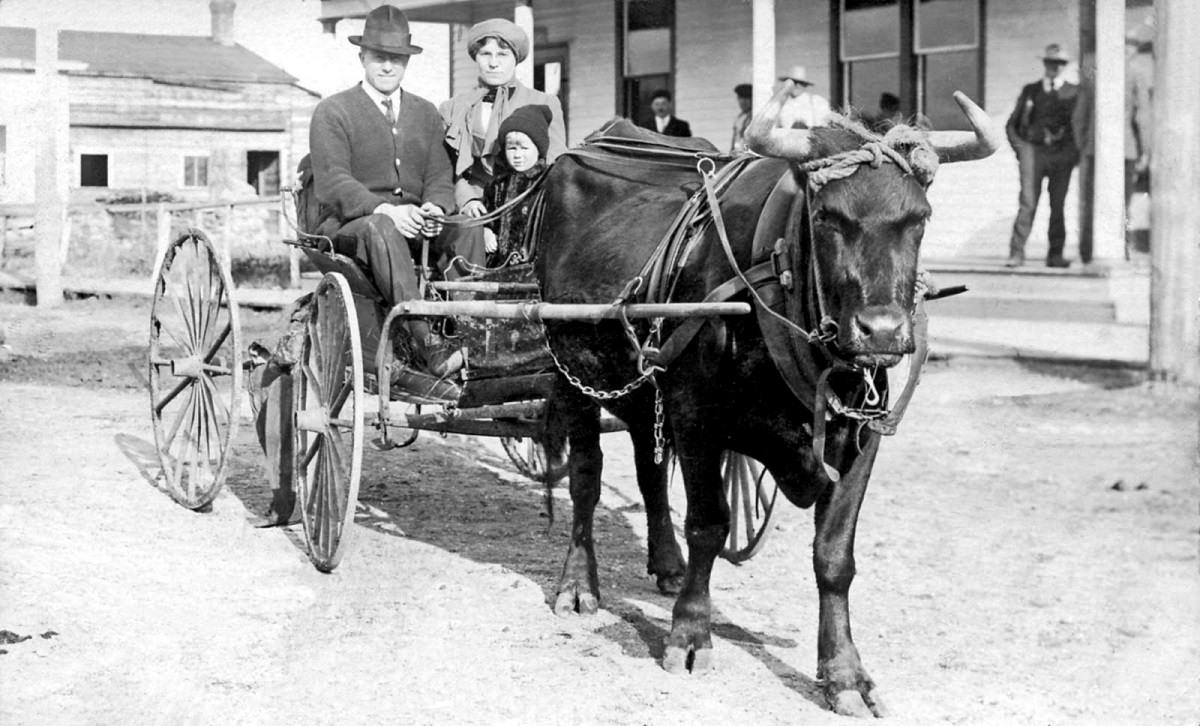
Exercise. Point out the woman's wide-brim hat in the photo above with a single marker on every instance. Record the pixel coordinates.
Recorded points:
(386, 31)
(1056, 54)
(798, 74)
(505, 30)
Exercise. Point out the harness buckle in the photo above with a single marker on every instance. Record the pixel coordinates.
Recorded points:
(781, 264)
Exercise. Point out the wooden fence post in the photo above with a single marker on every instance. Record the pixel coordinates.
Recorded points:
(162, 238)
(50, 173)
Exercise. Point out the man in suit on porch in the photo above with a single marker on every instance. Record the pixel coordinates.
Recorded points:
(664, 122)
(1040, 133)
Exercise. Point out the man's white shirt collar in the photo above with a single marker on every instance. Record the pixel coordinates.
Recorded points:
(661, 122)
(378, 98)
(1055, 84)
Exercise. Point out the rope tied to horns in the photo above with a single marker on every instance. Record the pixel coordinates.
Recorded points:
(917, 159)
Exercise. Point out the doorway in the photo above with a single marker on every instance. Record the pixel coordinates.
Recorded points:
(262, 172)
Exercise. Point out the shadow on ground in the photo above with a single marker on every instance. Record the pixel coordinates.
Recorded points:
(451, 494)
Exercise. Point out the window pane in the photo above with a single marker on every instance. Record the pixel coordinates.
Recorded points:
(93, 170)
(947, 23)
(867, 80)
(870, 27)
(645, 14)
(946, 73)
(647, 52)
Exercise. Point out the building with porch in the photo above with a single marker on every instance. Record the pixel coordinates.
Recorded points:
(605, 58)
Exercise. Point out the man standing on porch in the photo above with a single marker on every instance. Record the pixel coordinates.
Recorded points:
(1040, 133)
(803, 109)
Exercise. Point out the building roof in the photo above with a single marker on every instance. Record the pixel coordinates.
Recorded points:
(165, 57)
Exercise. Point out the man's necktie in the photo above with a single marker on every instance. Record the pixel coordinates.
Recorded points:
(387, 110)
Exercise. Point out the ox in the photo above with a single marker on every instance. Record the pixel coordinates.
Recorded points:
(824, 228)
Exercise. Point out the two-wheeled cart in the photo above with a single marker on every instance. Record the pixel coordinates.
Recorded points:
(316, 427)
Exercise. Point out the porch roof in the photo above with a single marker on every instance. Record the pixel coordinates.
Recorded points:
(428, 11)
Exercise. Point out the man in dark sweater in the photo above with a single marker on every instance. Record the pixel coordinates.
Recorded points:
(381, 172)
(1039, 130)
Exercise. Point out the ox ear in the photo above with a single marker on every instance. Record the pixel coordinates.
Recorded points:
(763, 138)
(954, 146)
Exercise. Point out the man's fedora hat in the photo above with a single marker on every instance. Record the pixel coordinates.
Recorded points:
(386, 31)
(1055, 54)
(799, 74)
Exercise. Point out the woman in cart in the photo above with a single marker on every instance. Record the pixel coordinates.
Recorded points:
(473, 119)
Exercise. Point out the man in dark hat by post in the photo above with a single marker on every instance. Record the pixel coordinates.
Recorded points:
(383, 175)
(1040, 133)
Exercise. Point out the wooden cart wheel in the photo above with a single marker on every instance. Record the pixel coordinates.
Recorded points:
(751, 492)
(195, 369)
(529, 456)
(329, 426)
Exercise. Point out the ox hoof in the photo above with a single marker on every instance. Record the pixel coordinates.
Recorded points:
(572, 599)
(853, 703)
(695, 660)
(670, 584)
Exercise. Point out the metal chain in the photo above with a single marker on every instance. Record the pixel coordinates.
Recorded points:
(659, 439)
(595, 393)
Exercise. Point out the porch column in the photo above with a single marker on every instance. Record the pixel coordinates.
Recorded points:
(50, 180)
(763, 44)
(523, 17)
(1174, 179)
(1108, 120)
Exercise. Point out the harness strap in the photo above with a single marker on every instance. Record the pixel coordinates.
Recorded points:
(820, 407)
(719, 223)
(461, 221)
(681, 336)
(887, 425)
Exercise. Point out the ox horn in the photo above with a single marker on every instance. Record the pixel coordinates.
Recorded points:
(763, 138)
(954, 146)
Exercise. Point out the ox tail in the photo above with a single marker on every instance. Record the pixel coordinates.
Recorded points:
(555, 469)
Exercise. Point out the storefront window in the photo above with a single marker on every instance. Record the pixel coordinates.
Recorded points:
(919, 51)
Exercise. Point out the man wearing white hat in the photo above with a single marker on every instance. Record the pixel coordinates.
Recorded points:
(1040, 133)
(804, 109)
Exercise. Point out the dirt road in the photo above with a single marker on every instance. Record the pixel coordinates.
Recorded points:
(1027, 554)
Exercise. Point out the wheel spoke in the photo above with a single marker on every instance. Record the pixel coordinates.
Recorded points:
(158, 407)
(332, 488)
(170, 438)
(216, 345)
(179, 342)
(335, 410)
(313, 448)
(730, 475)
(747, 505)
(188, 345)
(311, 379)
(217, 401)
(192, 308)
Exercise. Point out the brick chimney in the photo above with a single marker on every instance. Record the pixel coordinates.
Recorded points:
(222, 20)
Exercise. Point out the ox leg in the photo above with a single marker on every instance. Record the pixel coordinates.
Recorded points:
(848, 688)
(664, 559)
(689, 644)
(579, 416)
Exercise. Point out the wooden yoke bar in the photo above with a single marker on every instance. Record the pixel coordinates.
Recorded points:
(565, 311)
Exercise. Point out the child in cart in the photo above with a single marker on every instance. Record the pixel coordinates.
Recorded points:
(526, 136)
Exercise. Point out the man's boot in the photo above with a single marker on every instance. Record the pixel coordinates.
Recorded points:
(441, 358)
